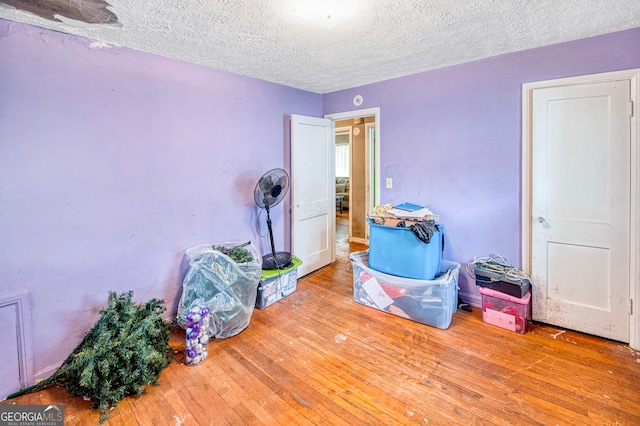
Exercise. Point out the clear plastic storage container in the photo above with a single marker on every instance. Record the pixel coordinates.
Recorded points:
(276, 284)
(430, 302)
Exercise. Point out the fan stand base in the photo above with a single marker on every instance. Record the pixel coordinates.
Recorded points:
(282, 261)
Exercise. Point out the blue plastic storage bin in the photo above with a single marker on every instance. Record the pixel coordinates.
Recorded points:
(430, 302)
(397, 251)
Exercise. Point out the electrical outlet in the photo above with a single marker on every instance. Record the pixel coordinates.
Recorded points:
(389, 183)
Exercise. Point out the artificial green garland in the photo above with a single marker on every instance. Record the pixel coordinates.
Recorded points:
(238, 254)
(125, 350)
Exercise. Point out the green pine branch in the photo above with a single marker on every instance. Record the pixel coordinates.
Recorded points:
(125, 351)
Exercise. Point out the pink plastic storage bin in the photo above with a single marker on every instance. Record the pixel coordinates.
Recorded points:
(503, 310)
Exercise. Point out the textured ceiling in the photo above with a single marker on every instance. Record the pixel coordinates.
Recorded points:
(355, 43)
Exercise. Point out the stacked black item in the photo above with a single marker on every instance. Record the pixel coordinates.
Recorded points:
(502, 278)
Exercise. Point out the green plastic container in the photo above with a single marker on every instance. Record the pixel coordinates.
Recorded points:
(276, 284)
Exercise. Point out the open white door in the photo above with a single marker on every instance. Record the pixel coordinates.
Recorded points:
(581, 201)
(313, 215)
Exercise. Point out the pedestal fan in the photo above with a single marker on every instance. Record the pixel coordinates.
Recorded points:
(270, 190)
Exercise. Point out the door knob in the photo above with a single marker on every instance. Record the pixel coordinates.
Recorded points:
(541, 219)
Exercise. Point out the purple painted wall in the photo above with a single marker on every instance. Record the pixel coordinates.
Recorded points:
(112, 163)
(451, 137)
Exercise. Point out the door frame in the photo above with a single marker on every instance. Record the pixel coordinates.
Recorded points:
(633, 76)
(371, 170)
(347, 115)
(349, 131)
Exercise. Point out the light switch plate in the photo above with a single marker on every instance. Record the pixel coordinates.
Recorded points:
(389, 183)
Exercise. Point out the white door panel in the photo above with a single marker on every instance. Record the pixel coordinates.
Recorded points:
(581, 207)
(313, 188)
(575, 288)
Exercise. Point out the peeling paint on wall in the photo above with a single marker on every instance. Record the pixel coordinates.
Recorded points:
(99, 45)
(88, 11)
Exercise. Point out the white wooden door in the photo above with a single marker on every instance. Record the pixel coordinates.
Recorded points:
(581, 207)
(313, 188)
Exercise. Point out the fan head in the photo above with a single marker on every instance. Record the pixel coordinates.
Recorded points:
(271, 188)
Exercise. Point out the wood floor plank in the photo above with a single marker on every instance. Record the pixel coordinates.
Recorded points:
(176, 410)
(317, 357)
(323, 374)
(256, 390)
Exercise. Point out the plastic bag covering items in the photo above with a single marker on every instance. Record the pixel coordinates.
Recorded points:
(227, 288)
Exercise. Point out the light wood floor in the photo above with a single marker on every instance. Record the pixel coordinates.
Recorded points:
(317, 357)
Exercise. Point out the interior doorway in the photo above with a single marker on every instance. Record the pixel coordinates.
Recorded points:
(360, 188)
(342, 169)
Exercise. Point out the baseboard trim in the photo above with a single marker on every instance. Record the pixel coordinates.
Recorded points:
(47, 372)
(472, 299)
